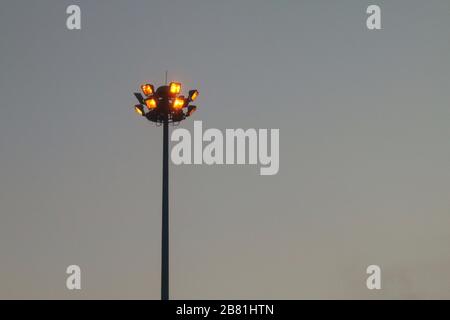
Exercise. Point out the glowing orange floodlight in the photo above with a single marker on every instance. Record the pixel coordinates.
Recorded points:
(166, 103)
(150, 103)
(175, 87)
(139, 110)
(147, 89)
(193, 94)
(178, 103)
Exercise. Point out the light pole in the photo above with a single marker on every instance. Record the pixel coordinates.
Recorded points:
(163, 106)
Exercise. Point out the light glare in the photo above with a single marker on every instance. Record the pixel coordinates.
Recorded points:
(150, 103)
(147, 89)
(138, 110)
(175, 87)
(178, 103)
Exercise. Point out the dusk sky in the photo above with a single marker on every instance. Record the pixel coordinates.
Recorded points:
(364, 120)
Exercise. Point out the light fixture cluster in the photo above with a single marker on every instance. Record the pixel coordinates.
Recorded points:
(166, 103)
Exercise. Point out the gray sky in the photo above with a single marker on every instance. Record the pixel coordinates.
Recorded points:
(364, 149)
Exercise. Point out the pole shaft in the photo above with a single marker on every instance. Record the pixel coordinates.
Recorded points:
(165, 216)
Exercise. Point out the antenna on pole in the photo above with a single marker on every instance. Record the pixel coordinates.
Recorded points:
(166, 77)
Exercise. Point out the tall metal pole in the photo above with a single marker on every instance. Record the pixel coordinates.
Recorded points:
(165, 215)
(164, 104)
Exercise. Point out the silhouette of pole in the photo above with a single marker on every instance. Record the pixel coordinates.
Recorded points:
(165, 216)
(164, 106)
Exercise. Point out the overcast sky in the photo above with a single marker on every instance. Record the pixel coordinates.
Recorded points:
(364, 119)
